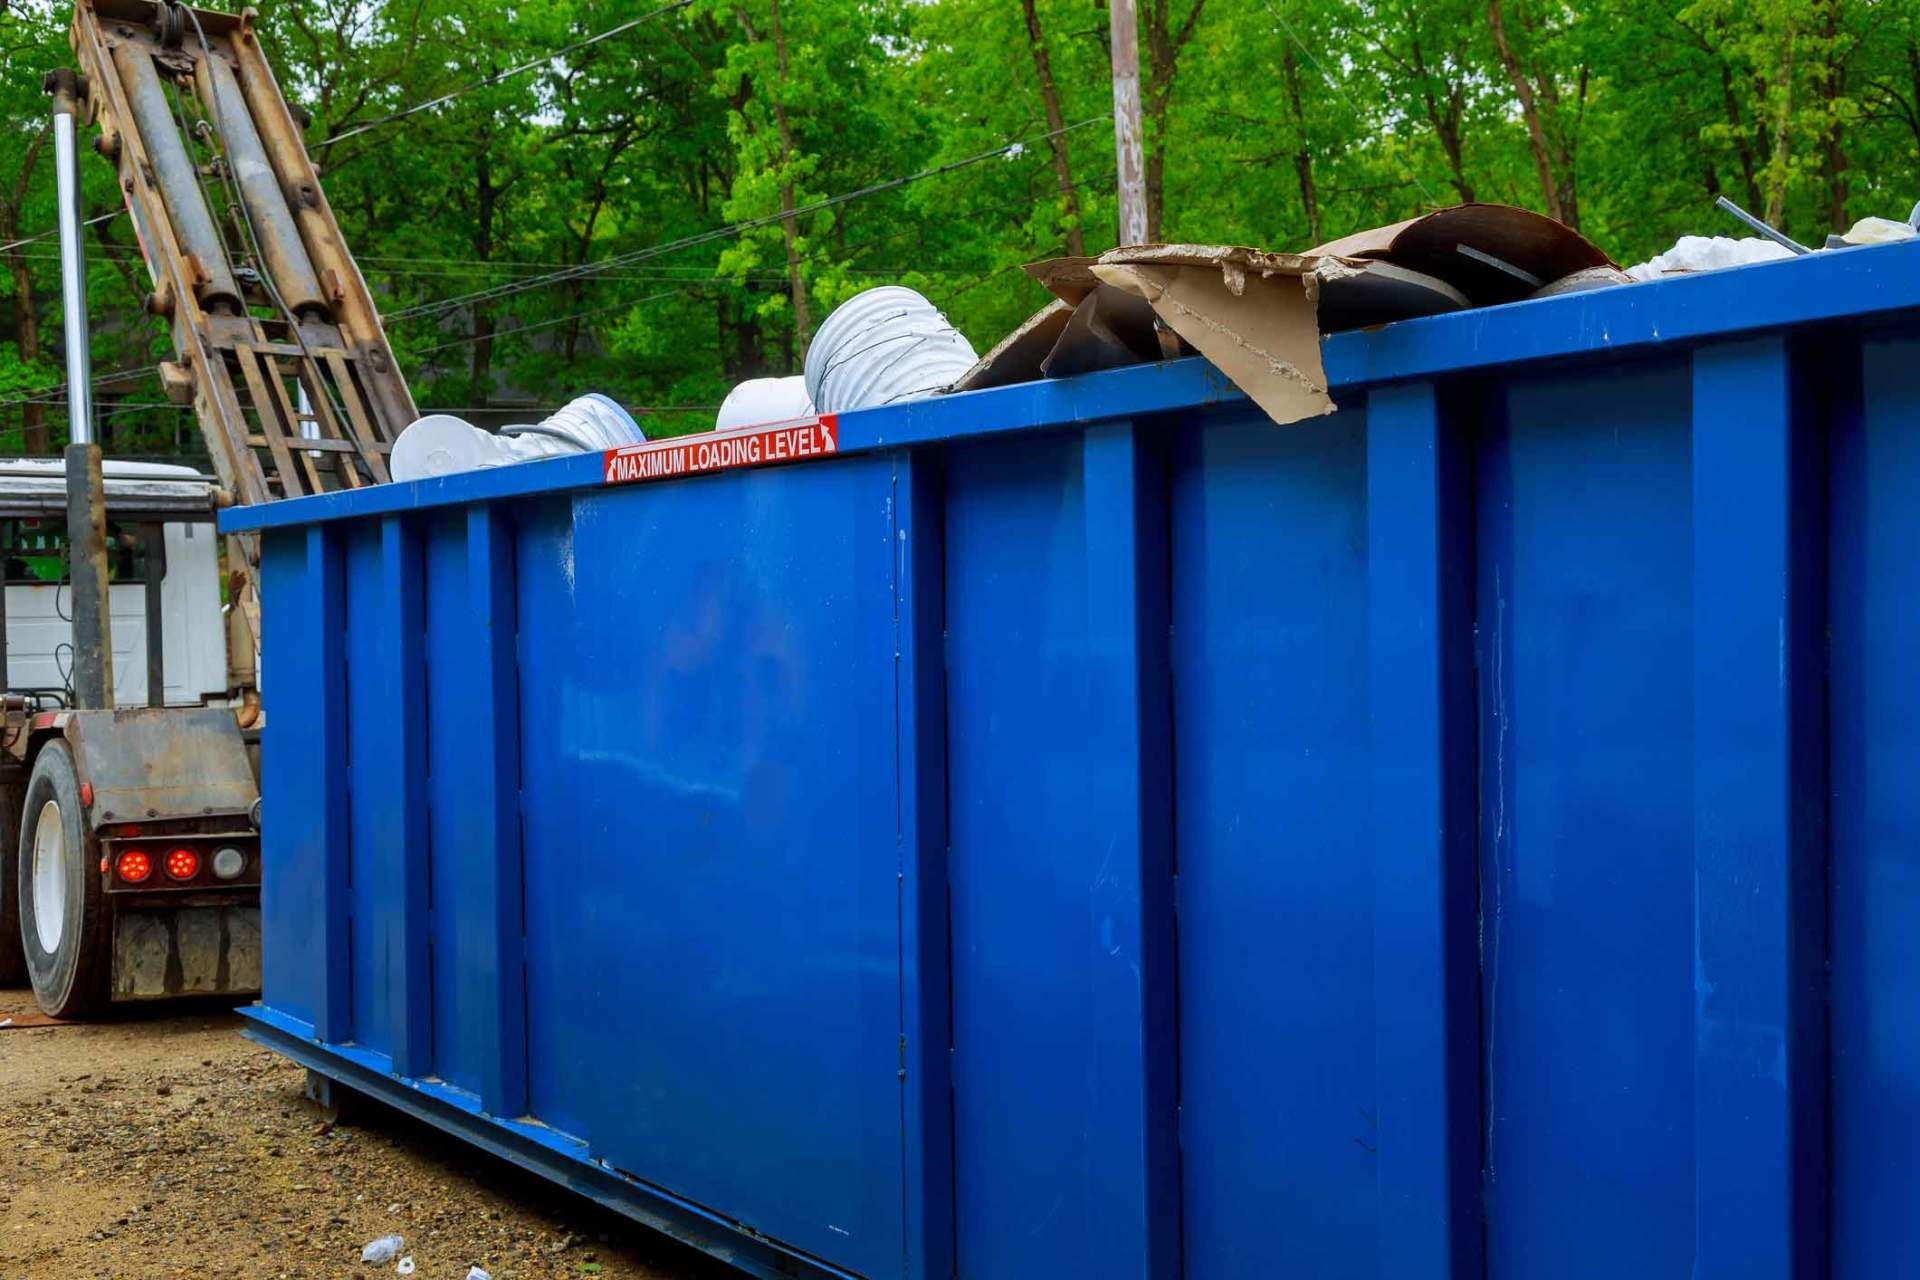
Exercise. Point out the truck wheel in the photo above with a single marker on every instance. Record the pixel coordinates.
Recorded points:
(62, 906)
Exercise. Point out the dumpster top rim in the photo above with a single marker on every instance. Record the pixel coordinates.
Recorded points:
(1679, 311)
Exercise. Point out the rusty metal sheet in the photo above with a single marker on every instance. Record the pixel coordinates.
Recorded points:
(195, 951)
(162, 763)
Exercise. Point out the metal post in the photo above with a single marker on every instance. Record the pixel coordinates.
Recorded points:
(5, 683)
(1130, 160)
(86, 493)
(153, 544)
(66, 88)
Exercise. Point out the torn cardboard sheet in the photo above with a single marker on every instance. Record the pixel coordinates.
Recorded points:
(1253, 314)
(1018, 356)
(1109, 328)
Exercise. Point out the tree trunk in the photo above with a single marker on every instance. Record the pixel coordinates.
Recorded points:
(1164, 45)
(1056, 126)
(1529, 110)
(583, 245)
(790, 233)
(1782, 133)
(1303, 154)
(1834, 154)
(485, 203)
(26, 320)
(1742, 143)
(26, 312)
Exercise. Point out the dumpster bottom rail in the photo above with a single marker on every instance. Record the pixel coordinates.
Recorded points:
(535, 1148)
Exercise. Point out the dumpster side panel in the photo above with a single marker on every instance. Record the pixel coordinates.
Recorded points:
(1875, 941)
(729, 884)
(294, 857)
(378, 923)
(463, 968)
(567, 1000)
(1276, 935)
(1586, 706)
(1060, 869)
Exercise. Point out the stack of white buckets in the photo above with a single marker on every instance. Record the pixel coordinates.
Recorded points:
(879, 347)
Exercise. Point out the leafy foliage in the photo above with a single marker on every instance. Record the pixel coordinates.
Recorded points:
(1272, 122)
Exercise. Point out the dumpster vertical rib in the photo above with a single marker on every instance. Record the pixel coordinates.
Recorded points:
(400, 790)
(926, 1030)
(1759, 836)
(1135, 1141)
(495, 791)
(1426, 1013)
(333, 1012)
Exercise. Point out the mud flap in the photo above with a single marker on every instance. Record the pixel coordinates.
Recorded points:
(187, 951)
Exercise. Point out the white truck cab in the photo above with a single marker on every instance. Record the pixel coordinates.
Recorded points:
(129, 840)
(38, 603)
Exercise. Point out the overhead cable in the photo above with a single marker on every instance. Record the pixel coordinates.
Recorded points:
(499, 76)
(508, 289)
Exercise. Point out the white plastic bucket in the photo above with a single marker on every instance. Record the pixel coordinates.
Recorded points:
(761, 400)
(881, 347)
(441, 444)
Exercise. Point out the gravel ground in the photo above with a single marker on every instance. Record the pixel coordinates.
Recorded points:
(170, 1147)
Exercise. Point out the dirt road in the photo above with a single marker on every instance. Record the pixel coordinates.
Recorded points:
(171, 1147)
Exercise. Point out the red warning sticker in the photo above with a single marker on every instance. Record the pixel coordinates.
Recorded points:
(722, 450)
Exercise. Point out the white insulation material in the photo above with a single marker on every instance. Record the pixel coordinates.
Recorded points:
(1708, 253)
(881, 347)
(442, 445)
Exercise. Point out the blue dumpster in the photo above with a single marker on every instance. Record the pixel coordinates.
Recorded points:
(1083, 829)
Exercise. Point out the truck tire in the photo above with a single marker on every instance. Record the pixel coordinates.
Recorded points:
(63, 918)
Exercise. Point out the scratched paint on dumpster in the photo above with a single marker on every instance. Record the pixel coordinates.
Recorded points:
(723, 450)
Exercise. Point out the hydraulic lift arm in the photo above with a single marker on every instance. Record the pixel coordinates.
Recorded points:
(278, 345)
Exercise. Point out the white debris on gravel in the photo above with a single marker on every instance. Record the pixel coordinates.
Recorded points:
(405, 1267)
(385, 1249)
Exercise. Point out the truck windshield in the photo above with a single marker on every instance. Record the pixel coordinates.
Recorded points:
(33, 552)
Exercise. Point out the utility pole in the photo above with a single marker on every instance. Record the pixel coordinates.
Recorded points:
(1130, 161)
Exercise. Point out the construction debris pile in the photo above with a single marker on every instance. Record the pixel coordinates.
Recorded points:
(1257, 315)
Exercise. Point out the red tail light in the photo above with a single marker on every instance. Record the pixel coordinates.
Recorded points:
(135, 866)
(183, 864)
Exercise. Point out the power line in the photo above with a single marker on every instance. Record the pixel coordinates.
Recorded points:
(721, 233)
(499, 76)
(472, 338)
(55, 393)
(104, 217)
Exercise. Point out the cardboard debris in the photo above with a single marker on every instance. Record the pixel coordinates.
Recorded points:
(1250, 312)
(1490, 252)
(1109, 328)
(1259, 316)
(1018, 356)
(1355, 295)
